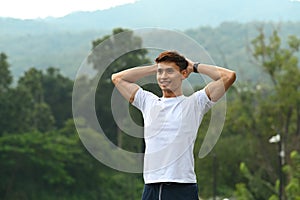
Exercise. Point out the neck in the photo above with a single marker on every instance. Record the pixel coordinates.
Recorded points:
(171, 94)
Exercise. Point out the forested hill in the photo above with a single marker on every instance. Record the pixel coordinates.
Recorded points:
(44, 156)
(226, 43)
(180, 14)
(64, 42)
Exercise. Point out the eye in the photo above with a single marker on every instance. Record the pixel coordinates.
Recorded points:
(159, 71)
(170, 70)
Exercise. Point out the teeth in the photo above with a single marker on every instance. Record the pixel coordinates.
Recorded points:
(165, 81)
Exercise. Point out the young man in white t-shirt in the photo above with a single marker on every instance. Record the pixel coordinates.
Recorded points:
(171, 122)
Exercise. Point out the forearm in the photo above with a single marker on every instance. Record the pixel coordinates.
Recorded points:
(134, 74)
(215, 72)
(125, 80)
(222, 79)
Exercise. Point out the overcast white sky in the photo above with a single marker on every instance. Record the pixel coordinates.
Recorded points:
(29, 9)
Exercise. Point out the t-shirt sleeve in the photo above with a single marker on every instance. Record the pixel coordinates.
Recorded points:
(141, 97)
(203, 101)
(138, 99)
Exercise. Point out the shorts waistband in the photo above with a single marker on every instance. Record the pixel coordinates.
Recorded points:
(170, 183)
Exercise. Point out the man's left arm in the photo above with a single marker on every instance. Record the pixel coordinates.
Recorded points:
(222, 79)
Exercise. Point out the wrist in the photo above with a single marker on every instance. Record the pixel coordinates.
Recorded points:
(195, 67)
(152, 69)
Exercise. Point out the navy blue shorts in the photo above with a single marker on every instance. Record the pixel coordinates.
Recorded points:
(170, 191)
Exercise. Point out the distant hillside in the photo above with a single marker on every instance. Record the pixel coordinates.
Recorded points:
(227, 45)
(180, 14)
(221, 26)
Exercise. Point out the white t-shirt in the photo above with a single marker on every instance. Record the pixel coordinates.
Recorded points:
(170, 131)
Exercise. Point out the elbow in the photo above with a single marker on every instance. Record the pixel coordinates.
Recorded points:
(115, 78)
(229, 79)
(232, 77)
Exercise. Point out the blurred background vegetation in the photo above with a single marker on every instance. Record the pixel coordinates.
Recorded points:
(42, 157)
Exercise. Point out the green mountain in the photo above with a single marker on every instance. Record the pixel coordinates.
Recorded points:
(224, 28)
(182, 14)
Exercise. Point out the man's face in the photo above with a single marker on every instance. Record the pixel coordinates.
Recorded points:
(169, 77)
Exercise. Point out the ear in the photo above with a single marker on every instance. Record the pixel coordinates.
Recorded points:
(184, 74)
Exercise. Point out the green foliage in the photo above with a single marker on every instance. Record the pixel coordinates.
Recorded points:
(275, 110)
(117, 60)
(32, 81)
(6, 77)
(58, 95)
(15, 111)
(258, 187)
(41, 156)
(41, 117)
(56, 166)
(242, 193)
(40, 101)
(293, 171)
(40, 159)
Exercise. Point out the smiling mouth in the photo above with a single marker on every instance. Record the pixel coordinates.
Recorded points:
(164, 83)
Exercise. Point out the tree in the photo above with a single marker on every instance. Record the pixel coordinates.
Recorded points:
(115, 47)
(48, 165)
(40, 101)
(57, 93)
(41, 116)
(281, 64)
(15, 104)
(275, 106)
(104, 88)
(6, 77)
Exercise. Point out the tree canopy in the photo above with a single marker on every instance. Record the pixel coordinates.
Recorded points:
(43, 157)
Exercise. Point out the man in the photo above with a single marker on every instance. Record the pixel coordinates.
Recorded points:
(171, 122)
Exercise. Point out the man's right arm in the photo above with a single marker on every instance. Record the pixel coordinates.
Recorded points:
(125, 80)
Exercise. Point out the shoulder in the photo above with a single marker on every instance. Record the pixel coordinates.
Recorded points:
(142, 96)
(201, 99)
(141, 93)
(201, 94)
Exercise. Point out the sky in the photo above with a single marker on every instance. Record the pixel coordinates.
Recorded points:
(32, 9)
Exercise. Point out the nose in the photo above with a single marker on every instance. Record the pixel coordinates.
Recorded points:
(164, 74)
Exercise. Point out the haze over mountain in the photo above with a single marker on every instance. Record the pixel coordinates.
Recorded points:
(64, 42)
(181, 14)
(184, 14)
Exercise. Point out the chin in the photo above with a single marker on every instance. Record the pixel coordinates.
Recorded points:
(167, 90)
